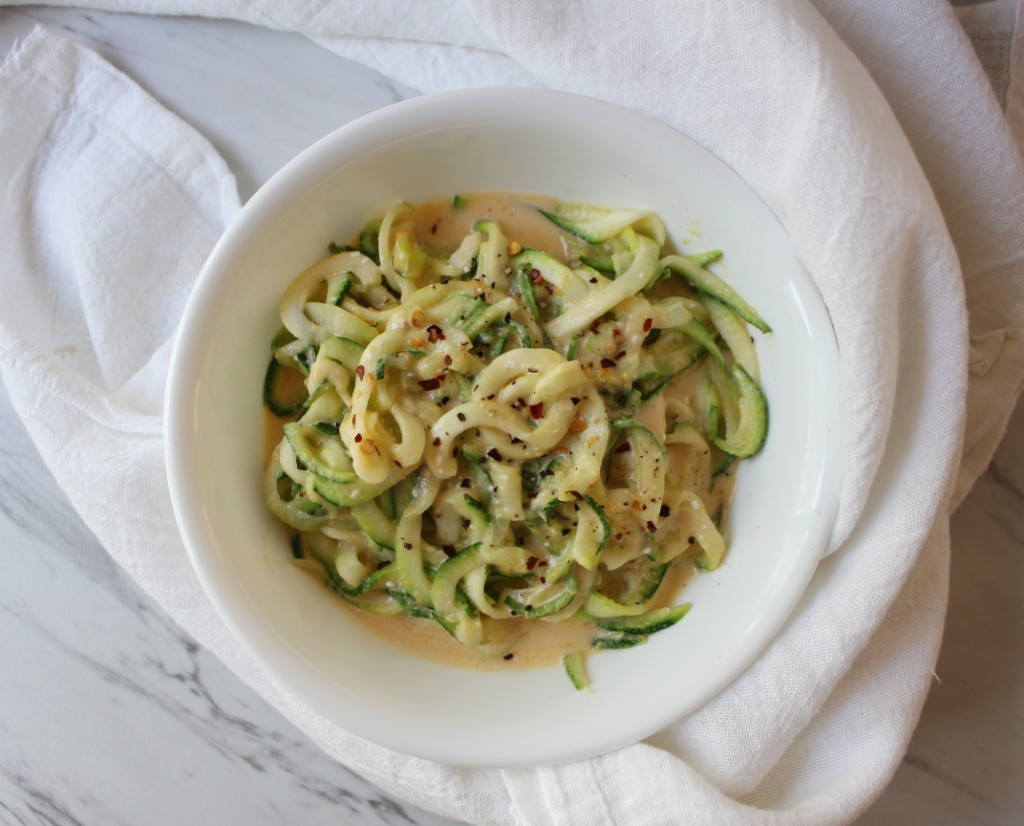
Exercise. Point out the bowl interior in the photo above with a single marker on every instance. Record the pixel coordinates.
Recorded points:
(513, 140)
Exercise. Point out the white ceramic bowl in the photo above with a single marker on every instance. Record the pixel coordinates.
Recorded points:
(513, 140)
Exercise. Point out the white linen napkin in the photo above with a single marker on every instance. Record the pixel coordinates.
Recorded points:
(883, 210)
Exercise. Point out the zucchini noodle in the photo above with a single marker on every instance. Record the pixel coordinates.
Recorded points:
(486, 435)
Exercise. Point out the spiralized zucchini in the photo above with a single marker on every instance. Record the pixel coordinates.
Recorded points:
(491, 435)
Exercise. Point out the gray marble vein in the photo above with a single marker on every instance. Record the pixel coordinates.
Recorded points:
(260, 96)
(110, 714)
(964, 762)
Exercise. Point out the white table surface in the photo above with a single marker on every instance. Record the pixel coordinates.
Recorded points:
(110, 714)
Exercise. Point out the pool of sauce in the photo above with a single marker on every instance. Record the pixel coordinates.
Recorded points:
(441, 227)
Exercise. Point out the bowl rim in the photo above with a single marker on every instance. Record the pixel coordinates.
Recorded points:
(289, 183)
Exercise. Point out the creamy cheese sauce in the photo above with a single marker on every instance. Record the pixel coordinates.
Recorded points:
(536, 644)
(533, 643)
(440, 227)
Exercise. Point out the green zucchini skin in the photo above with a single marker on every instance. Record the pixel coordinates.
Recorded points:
(575, 665)
(647, 624)
(545, 609)
(706, 281)
(323, 454)
(377, 525)
(276, 396)
(750, 412)
(645, 362)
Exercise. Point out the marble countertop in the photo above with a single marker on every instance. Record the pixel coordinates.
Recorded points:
(110, 715)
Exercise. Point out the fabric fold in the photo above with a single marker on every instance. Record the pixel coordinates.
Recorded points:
(847, 133)
(972, 160)
(95, 172)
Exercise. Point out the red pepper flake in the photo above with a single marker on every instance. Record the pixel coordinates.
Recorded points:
(360, 371)
(623, 447)
(359, 438)
(537, 410)
(607, 363)
(447, 360)
(430, 384)
(550, 288)
(460, 416)
(535, 274)
(594, 327)
(437, 442)
(651, 526)
(435, 334)
(531, 563)
(620, 355)
(494, 454)
(648, 323)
